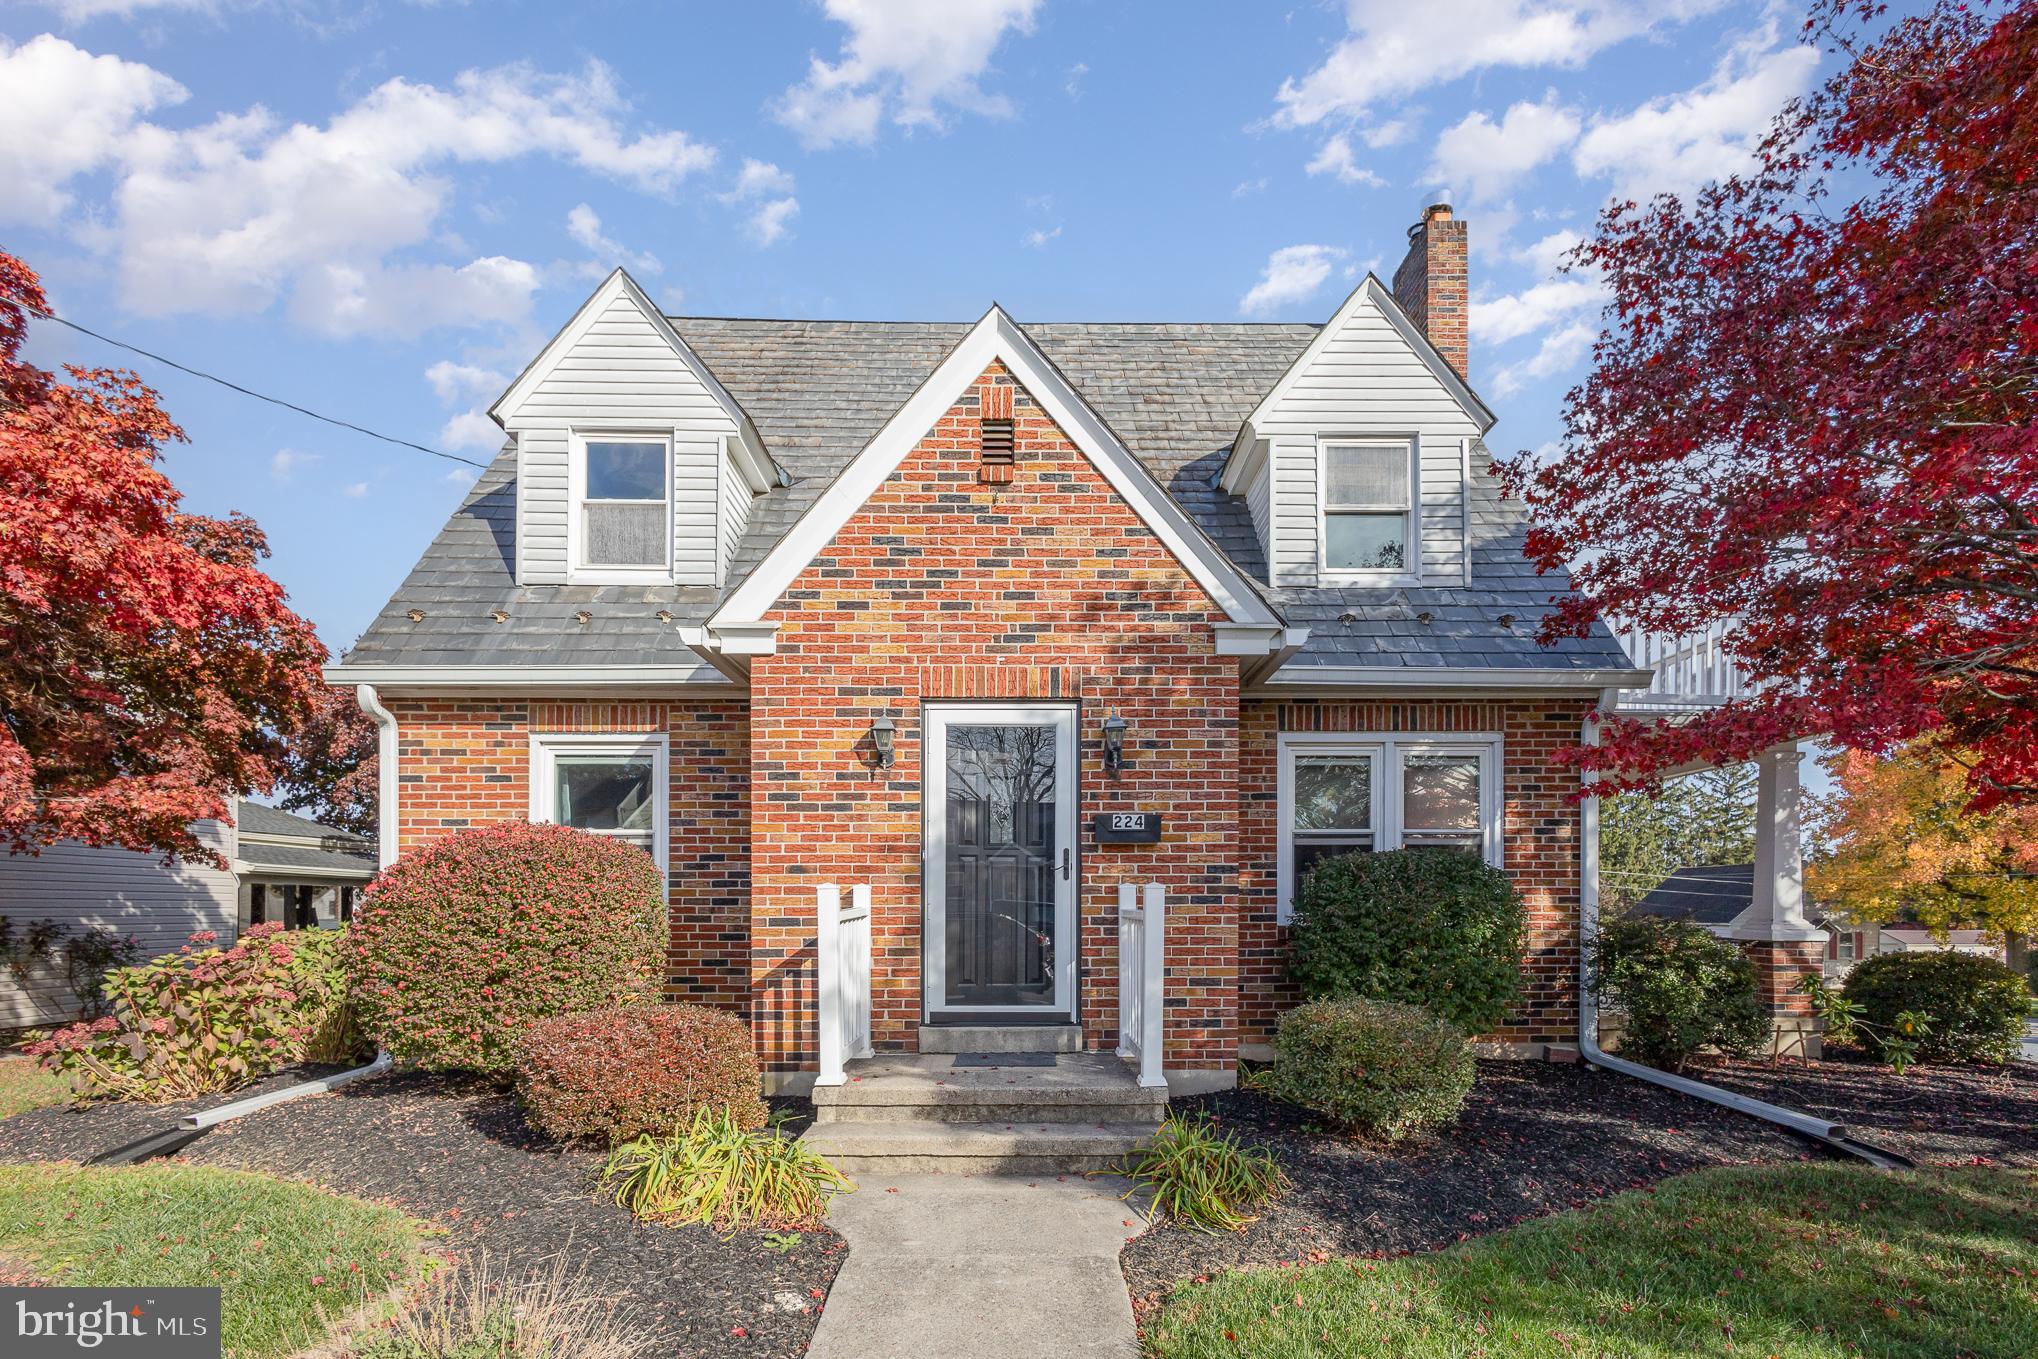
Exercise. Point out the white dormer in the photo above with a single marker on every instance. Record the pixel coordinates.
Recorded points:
(634, 464)
(1357, 465)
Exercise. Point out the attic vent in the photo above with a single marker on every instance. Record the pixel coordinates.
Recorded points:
(499, 615)
(665, 615)
(997, 458)
(416, 615)
(582, 617)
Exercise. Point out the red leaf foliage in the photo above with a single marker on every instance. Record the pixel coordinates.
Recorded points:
(1814, 412)
(149, 670)
(611, 1075)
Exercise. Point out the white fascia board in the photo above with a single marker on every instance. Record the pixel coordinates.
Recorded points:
(1371, 290)
(995, 337)
(755, 458)
(244, 869)
(549, 677)
(744, 639)
(1249, 454)
(1456, 677)
(1254, 639)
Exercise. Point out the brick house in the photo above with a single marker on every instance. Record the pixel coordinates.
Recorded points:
(991, 621)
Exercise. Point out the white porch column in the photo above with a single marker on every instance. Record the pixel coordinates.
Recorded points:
(1777, 911)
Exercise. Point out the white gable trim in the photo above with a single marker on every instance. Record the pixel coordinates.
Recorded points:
(751, 457)
(1372, 290)
(995, 337)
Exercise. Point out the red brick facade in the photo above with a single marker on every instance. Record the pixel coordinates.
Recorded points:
(944, 586)
(1539, 841)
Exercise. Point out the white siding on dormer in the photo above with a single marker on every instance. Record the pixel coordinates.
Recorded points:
(620, 374)
(736, 497)
(1259, 502)
(1366, 379)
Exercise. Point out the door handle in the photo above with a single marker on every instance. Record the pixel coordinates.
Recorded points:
(1066, 856)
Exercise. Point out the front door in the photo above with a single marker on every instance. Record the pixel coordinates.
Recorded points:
(1000, 817)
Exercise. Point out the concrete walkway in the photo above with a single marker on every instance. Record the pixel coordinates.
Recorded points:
(981, 1267)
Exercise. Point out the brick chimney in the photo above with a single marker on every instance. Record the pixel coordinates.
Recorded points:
(1432, 284)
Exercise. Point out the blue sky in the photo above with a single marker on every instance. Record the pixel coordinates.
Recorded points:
(381, 211)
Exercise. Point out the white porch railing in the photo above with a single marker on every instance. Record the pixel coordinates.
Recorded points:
(1141, 972)
(842, 976)
(1693, 670)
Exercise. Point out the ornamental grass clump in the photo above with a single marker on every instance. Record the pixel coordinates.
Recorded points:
(1372, 1066)
(1203, 1178)
(610, 1075)
(725, 1176)
(207, 1019)
(458, 948)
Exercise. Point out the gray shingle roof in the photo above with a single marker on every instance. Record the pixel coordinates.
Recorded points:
(326, 847)
(1710, 895)
(818, 391)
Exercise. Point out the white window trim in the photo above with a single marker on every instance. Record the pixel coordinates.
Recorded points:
(576, 499)
(1410, 572)
(1386, 748)
(547, 747)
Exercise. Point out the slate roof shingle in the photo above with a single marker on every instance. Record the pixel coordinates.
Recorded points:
(818, 391)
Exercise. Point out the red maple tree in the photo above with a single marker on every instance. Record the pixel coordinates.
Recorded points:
(330, 770)
(1813, 413)
(149, 670)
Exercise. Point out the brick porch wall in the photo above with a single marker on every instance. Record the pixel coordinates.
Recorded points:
(945, 586)
(1539, 844)
(466, 762)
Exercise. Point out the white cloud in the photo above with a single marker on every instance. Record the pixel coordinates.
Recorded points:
(1559, 350)
(1038, 238)
(1484, 159)
(909, 60)
(232, 215)
(285, 463)
(1072, 86)
(1679, 141)
(1550, 253)
(471, 430)
(458, 382)
(80, 11)
(1497, 320)
(1293, 274)
(1394, 48)
(356, 490)
(758, 178)
(769, 223)
(584, 226)
(66, 113)
(1335, 158)
(1246, 188)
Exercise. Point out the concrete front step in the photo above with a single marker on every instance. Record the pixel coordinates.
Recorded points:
(975, 1148)
(1000, 1038)
(1079, 1088)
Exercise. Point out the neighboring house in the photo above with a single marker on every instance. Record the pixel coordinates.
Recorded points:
(909, 606)
(1718, 895)
(280, 867)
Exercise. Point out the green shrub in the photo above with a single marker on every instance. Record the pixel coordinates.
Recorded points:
(1374, 1066)
(206, 1019)
(1439, 928)
(1202, 1178)
(611, 1075)
(457, 948)
(724, 1176)
(1975, 1006)
(1678, 989)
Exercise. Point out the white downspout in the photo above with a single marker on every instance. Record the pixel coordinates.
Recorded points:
(385, 768)
(1830, 1133)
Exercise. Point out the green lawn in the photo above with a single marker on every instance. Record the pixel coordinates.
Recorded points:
(292, 1259)
(1796, 1262)
(25, 1085)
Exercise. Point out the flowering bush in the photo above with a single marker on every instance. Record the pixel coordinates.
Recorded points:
(459, 947)
(206, 1019)
(611, 1075)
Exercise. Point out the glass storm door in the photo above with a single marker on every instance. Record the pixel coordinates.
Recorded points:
(1000, 817)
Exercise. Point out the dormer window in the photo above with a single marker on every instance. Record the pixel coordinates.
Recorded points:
(622, 513)
(1368, 507)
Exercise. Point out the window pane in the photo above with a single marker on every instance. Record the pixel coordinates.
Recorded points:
(1310, 853)
(1333, 792)
(598, 792)
(625, 535)
(1440, 793)
(1365, 474)
(626, 471)
(1365, 542)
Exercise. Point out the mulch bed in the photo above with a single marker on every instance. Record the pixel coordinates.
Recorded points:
(1936, 1115)
(455, 1151)
(1535, 1138)
(64, 1133)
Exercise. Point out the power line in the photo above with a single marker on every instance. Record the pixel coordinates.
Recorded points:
(236, 387)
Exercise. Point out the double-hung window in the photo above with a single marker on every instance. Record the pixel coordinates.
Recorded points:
(1344, 794)
(1368, 507)
(623, 514)
(610, 785)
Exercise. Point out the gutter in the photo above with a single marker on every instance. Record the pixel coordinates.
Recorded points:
(194, 1126)
(385, 769)
(1824, 1131)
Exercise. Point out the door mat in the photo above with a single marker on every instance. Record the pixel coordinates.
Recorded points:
(1003, 1059)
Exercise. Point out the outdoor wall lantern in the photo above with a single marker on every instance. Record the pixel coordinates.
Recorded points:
(882, 735)
(1114, 744)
